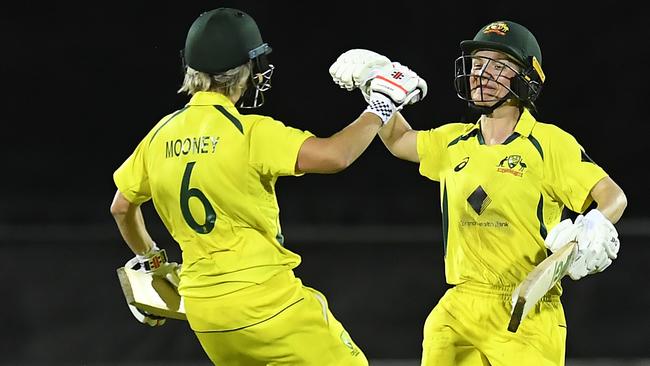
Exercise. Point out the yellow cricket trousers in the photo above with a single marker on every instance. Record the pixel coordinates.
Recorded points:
(279, 322)
(469, 325)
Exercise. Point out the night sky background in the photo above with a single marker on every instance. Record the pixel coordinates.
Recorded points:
(83, 83)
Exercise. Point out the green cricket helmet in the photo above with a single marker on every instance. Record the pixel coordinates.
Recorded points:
(518, 43)
(221, 39)
(225, 38)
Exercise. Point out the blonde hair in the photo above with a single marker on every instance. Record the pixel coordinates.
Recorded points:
(228, 82)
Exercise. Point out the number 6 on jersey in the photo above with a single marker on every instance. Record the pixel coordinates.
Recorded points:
(186, 194)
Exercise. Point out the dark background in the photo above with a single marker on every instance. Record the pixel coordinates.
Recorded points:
(83, 83)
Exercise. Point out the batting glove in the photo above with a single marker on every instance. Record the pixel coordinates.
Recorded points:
(598, 244)
(389, 89)
(597, 239)
(155, 262)
(562, 234)
(353, 66)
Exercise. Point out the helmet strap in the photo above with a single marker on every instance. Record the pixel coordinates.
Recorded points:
(252, 97)
(490, 109)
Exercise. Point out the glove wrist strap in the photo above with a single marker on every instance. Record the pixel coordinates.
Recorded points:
(154, 262)
(381, 106)
(152, 259)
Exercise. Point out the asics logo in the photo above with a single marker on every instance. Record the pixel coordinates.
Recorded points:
(461, 165)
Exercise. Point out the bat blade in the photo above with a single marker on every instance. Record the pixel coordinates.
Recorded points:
(539, 281)
(151, 293)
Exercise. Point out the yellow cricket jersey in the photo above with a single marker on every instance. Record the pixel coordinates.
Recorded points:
(499, 201)
(211, 174)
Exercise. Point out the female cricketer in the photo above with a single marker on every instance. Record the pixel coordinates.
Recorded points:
(504, 184)
(211, 173)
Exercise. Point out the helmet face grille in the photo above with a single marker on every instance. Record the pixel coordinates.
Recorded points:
(477, 77)
(259, 81)
(514, 40)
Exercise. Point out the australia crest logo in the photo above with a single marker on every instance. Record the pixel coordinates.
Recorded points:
(512, 164)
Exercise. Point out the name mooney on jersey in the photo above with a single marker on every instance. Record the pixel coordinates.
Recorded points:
(191, 145)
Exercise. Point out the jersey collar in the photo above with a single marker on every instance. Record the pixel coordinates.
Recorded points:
(523, 127)
(526, 123)
(210, 98)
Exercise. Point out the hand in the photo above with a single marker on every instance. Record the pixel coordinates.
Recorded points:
(597, 239)
(586, 262)
(562, 234)
(389, 89)
(353, 66)
(598, 245)
(154, 262)
(401, 84)
(599, 231)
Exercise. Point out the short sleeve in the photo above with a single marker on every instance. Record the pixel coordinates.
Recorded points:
(431, 151)
(572, 173)
(274, 147)
(131, 177)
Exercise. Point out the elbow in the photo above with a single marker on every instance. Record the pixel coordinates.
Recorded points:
(338, 163)
(117, 210)
(615, 206)
(324, 164)
(619, 200)
(336, 158)
(120, 206)
(622, 201)
(323, 156)
(393, 151)
(619, 206)
(341, 167)
(389, 143)
(404, 155)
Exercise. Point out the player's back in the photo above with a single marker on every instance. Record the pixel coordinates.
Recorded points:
(214, 191)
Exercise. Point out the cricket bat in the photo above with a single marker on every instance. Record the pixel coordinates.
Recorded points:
(539, 281)
(150, 293)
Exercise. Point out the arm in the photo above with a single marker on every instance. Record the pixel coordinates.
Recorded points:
(130, 222)
(610, 198)
(400, 139)
(386, 93)
(334, 154)
(361, 68)
(597, 238)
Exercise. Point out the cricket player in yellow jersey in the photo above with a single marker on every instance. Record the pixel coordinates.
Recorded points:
(211, 172)
(504, 183)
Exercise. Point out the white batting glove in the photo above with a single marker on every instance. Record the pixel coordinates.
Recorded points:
(154, 261)
(600, 231)
(598, 245)
(597, 238)
(389, 89)
(562, 234)
(353, 66)
(401, 84)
